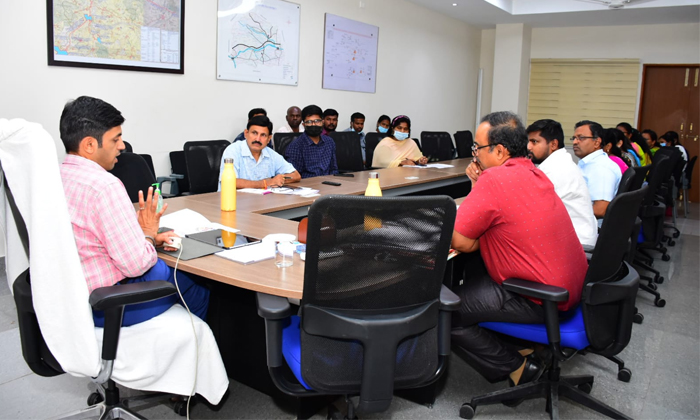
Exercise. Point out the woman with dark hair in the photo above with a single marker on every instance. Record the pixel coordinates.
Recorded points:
(614, 153)
(383, 124)
(652, 140)
(397, 149)
(635, 140)
(625, 147)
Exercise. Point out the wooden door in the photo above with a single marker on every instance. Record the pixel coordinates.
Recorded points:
(670, 100)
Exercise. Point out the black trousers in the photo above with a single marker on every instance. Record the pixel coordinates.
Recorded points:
(484, 300)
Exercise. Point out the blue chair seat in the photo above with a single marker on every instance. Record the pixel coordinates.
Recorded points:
(291, 348)
(573, 331)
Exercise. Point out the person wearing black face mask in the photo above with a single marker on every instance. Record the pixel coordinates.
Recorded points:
(256, 165)
(312, 153)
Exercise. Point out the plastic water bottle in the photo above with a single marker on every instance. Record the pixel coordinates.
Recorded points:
(228, 186)
(373, 190)
(160, 197)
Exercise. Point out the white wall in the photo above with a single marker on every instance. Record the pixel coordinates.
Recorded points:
(487, 57)
(427, 69)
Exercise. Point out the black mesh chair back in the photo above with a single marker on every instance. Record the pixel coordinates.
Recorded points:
(464, 141)
(128, 147)
(675, 156)
(640, 174)
(371, 142)
(283, 140)
(369, 257)
(178, 166)
(688, 173)
(348, 151)
(203, 159)
(149, 161)
(133, 171)
(437, 145)
(608, 311)
(626, 181)
(658, 172)
(34, 349)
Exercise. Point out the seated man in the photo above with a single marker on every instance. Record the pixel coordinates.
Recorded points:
(330, 121)
(252, 113)
(293, 120)
(256, 165)
(357, 124)
(116, 245)
(312, 153)
(517, 221)
(602, 175)
(546, 149)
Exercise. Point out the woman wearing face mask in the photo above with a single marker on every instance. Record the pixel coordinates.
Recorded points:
(398, 149)
(383, 124)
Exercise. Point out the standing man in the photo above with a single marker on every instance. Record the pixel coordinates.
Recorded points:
(357, 124)
(312, 153)
(330, 121)
(602, 175)
(293, 120)
(256, 165)
(546, 149)
(520, 226)
(115, 245)
(252, 113)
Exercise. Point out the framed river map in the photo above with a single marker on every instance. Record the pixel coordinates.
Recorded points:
(141, 35)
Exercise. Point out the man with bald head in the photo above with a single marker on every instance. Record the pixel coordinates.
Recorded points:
(293, 121)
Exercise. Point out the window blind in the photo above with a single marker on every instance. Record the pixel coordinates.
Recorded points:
(568, 91)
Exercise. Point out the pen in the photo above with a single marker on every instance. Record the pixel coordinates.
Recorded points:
(287, 177)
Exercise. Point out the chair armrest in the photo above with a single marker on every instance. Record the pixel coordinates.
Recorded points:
(448, 300)
(112, 300)
(273, 307)
(588, 249)
(536, 290)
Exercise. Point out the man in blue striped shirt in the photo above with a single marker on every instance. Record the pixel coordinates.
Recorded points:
(312, 153)
(256, 165)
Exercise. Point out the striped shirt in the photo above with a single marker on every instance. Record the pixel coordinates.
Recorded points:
(110, 242)
(312, 159)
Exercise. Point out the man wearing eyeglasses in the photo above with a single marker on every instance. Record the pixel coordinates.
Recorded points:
(312, 153)
(256, 165)
(521, 229)
(546, 149)
(601, 173)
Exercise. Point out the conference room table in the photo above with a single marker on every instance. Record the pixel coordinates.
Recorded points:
(232, 316)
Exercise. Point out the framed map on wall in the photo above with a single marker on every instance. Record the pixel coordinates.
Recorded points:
(141, 35)
(258, 41)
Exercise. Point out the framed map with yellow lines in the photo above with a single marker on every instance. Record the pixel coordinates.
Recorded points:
(141, 35)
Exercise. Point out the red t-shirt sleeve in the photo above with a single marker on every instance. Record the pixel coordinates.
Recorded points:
(479, 211)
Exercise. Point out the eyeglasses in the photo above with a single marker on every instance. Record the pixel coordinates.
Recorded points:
(313, 122)
(476, 148)
(582, 138)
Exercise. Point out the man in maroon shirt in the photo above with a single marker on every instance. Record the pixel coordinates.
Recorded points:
(515, 219)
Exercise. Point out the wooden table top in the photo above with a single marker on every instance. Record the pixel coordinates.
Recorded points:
(251, 220)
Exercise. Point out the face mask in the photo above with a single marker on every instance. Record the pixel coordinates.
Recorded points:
(313, 130)
(663, 144)
(382, 129)
(400, 136)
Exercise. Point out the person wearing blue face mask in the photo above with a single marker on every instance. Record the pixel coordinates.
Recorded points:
(397, 149)
(383, 124)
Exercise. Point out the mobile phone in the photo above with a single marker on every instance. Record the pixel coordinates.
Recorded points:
(215, 237)
(345, 175)
(335, 184)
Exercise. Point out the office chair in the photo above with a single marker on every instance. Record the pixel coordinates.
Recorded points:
(282, 141)
(686, 185)
(348, 151)
(668, 190)
(203, 160)
(178, 166)
(464, 141)
(641, 173)
(437, 145)
(128, 147)
(602, 323)
(133, 171)
(374, 316)
(372, 139)
(55, 309)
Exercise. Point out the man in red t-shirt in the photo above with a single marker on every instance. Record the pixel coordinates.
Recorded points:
(515, 218)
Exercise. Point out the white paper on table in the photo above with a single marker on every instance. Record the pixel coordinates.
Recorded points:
(434, 166)
(249, 254)
(186, 221)
(259, 191)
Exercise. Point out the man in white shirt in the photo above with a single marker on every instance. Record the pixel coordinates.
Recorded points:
(601, 173)
(546, 148)
(293, 121)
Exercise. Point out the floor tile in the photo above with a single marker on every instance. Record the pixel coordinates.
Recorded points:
(12, 366)
(8, 313)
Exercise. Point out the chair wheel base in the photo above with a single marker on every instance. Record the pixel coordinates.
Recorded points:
(659, 279)
(665, 257)
(623, 375)
(660, 302)
(638, 318)
(671, 242)
(676, 234)
(653, 286)
(587, 387)
(94, 399)
(467, 411)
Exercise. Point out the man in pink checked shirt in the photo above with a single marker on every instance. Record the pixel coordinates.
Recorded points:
(115, 244)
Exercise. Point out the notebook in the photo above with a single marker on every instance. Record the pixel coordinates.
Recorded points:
(249, 254)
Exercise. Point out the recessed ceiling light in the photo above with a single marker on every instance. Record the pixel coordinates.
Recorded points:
(454, 4)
